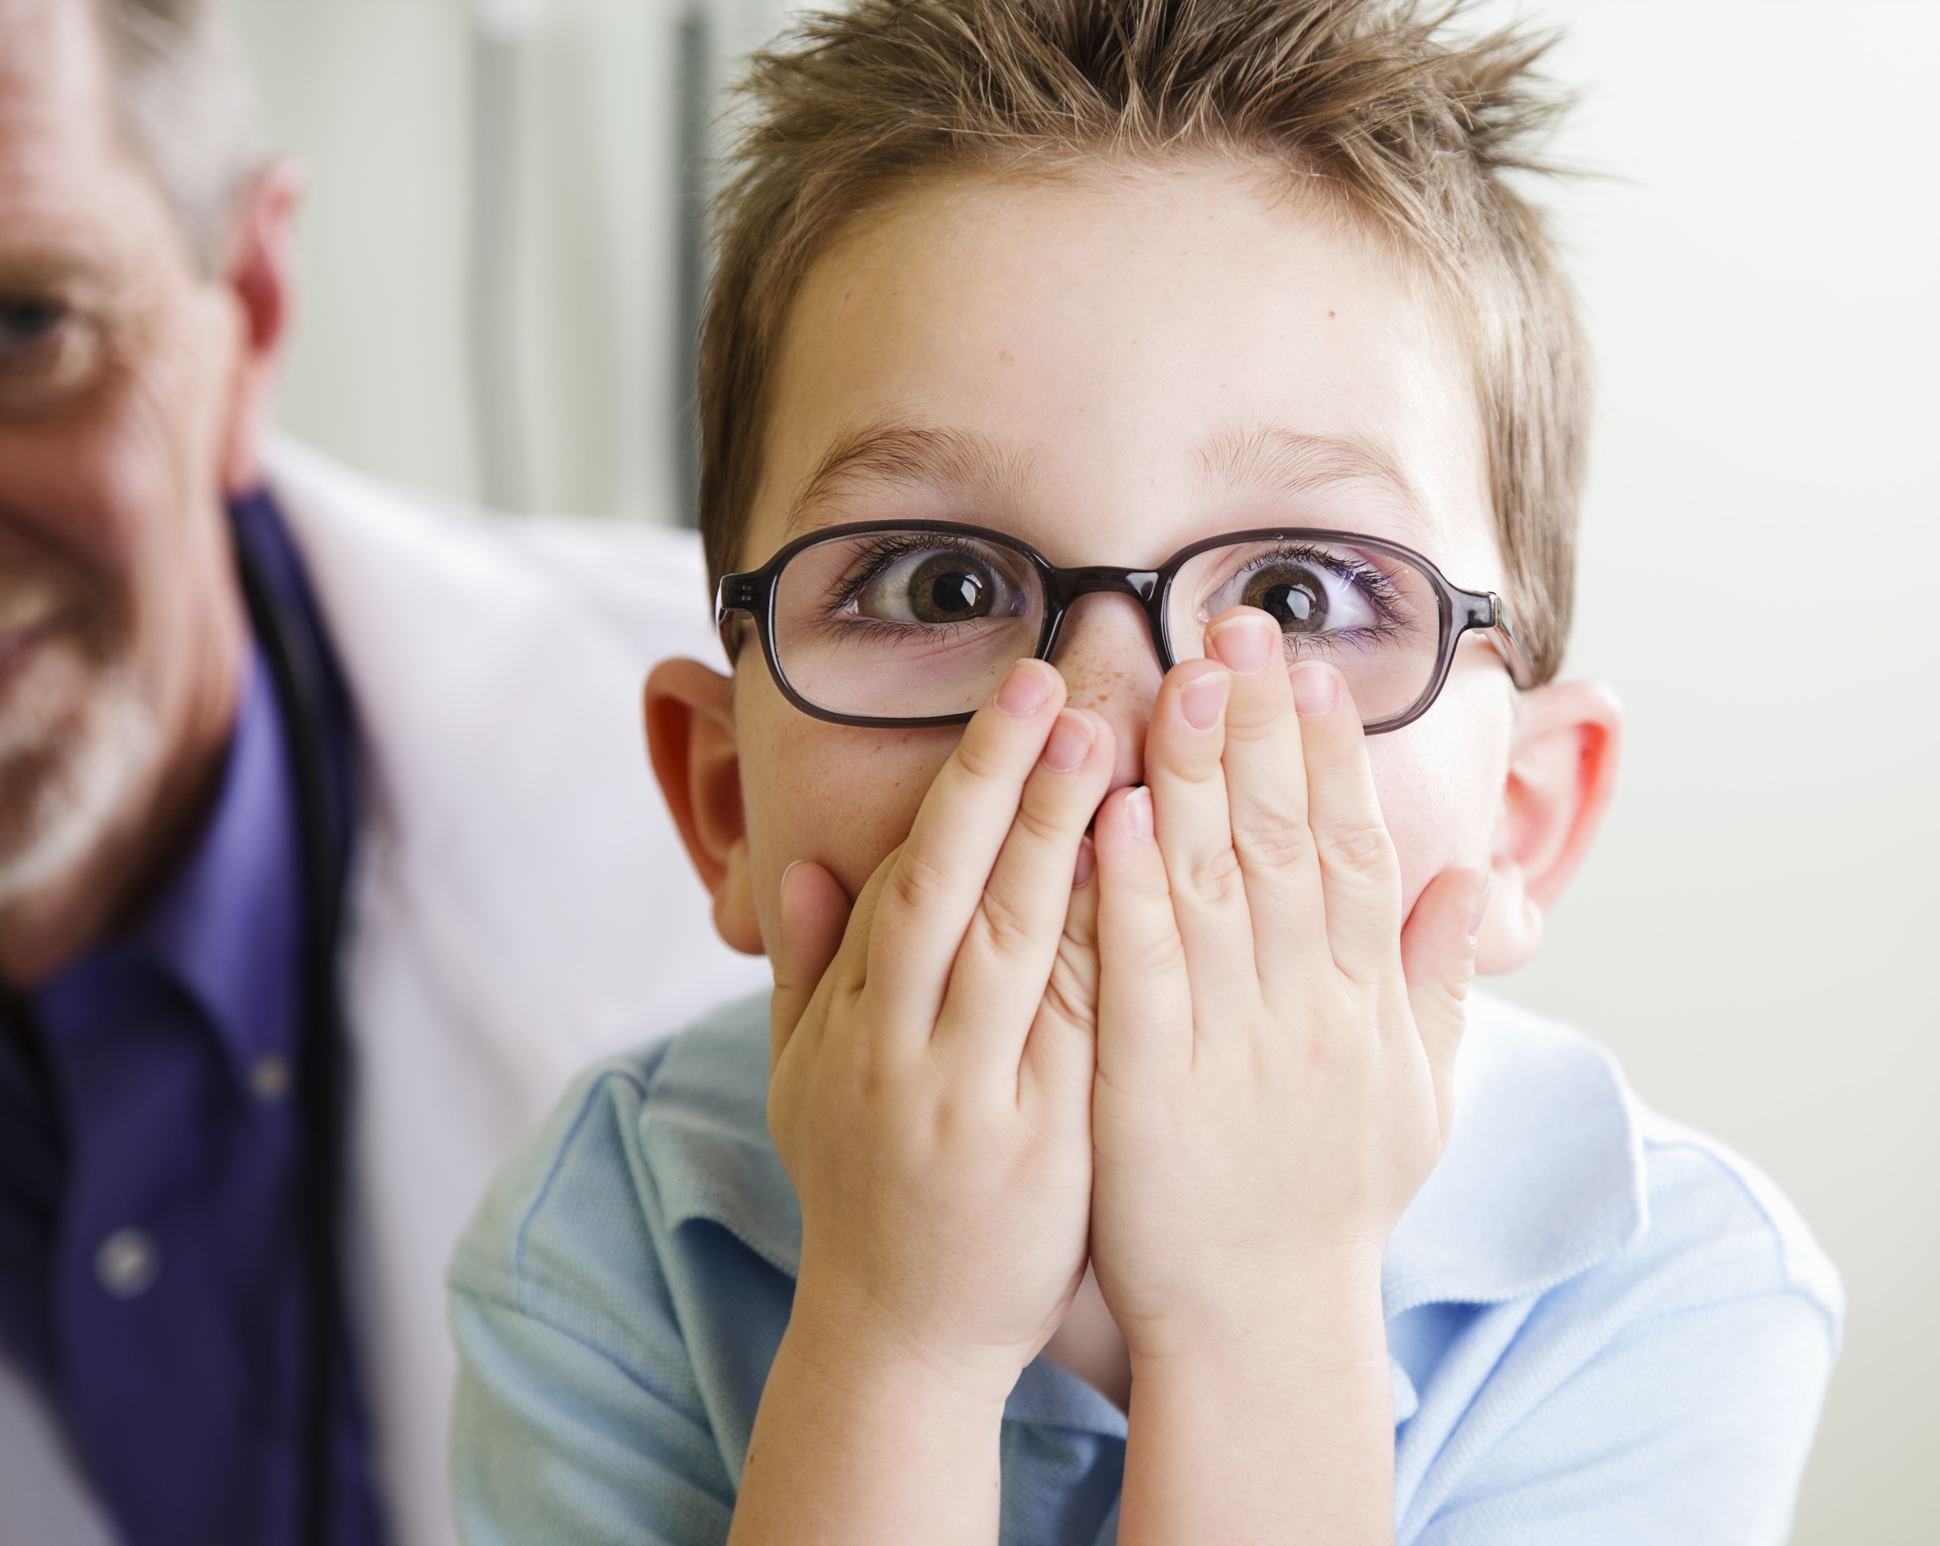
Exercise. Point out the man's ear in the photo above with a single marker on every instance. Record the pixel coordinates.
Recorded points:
(690, 737)
(259, 273)
(1562, 772)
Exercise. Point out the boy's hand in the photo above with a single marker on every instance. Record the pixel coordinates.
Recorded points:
(1275, 1055)
(1274, 1050)
(932, 1075)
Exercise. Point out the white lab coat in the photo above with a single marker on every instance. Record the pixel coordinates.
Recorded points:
(519, 906)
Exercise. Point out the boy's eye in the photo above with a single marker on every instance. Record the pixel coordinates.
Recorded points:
(1305, 594)
(935, 587)
(1294, 595)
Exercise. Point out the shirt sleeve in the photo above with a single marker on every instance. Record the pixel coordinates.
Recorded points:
(578, 1415)
(1691, 1426)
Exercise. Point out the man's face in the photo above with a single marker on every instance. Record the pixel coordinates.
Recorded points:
(1120, 364)
(118, 615)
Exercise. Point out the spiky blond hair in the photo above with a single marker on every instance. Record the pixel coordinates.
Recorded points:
(1412, 129)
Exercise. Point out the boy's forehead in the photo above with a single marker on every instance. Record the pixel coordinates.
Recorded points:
(984, 346)
(1263, 459)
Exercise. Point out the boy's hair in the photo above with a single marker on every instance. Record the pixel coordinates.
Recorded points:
(1361, 97)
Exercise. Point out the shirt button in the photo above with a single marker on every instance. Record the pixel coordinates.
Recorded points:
(127, 1263)
(269, 1077)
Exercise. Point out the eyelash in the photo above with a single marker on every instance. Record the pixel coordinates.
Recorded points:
(884, 551)
(1365, 577)
(874, 560)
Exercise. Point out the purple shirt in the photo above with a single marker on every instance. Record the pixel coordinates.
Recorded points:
(151, 1253)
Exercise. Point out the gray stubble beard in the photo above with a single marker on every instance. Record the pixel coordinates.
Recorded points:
(72, 806)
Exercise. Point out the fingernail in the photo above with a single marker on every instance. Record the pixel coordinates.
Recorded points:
(1072, 738)
(1244, 643)
(1087, 863)
(1138, 812)
(1315, 690)
(1024, 691)
(781, 891)
(1204, 700)
(1481, 909)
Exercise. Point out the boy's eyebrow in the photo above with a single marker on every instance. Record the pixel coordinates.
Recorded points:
(1267, 457)
(1291, 462)
(912, 454)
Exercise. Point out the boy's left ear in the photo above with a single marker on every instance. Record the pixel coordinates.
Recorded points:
(1562, 772)
(690, 737)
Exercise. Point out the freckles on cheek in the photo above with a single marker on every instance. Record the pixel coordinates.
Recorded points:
(842, 797)
(1437, 799)
(1407, 807)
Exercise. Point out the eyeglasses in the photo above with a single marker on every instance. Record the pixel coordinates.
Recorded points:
(915, 623)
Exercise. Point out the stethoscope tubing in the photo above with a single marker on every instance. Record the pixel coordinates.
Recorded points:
(290, 652)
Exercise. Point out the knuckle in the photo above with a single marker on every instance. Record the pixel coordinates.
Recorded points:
(1157, 955)
(1199, 770)
(1251, 721)
(1039, 822)
(1009, 928)
(1071, 995)
(982, 759)
(1362, 848)
(1270, 840)
(916, 884)
(1215, 877)
(1150, 885)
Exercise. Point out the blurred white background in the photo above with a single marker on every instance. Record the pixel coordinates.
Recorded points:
(1758, 258)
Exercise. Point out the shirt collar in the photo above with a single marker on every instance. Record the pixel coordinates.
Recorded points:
(229, 927)
(1543, 1175)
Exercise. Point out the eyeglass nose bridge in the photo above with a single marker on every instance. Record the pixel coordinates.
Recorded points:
(1064, 587)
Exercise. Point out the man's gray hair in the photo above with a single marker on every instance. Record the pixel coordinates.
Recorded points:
(186, 103)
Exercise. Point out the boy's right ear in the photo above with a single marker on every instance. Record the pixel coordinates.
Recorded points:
(690, 738)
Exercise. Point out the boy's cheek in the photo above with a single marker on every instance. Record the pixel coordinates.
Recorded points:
(841, 797)
(1440, 781)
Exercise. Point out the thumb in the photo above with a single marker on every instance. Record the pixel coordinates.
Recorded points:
(1438, 958)
(814, 913)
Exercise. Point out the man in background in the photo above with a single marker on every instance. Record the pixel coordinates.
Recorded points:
(326, 846)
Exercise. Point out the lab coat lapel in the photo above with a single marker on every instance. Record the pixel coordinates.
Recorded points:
(519, 903)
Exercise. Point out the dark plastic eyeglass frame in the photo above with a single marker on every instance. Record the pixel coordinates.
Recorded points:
(1461, 611)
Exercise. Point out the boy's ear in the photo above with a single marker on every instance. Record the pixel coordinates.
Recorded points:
(1562, 772)
(690, 737)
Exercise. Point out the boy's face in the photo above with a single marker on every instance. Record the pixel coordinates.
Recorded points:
(1111, 366)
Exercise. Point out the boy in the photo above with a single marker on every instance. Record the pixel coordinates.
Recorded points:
(1142, 449)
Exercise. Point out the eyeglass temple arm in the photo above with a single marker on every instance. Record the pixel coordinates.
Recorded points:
(736, 594)
(1490, 613)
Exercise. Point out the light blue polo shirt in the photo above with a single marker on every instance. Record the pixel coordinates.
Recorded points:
(1603, 1327)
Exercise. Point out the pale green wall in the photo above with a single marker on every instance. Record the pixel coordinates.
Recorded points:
(1755, 932)
(372, 95)
(375, 96)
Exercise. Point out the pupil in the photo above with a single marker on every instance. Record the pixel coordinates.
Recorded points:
(942, 592)
(955, 593)
(1297, 602)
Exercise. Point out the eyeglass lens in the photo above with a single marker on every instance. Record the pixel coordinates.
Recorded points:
(922, 624)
